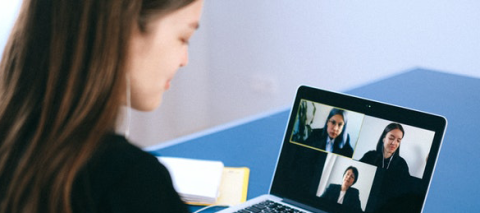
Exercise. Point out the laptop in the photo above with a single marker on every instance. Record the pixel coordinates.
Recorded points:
(343, 153)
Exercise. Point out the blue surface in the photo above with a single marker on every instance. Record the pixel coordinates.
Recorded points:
(454, 188)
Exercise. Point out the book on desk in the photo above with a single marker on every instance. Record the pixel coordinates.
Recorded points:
(205, 182)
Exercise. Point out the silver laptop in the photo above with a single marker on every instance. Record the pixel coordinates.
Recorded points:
(348, 154)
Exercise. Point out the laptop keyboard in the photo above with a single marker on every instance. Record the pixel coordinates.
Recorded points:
(268, 206)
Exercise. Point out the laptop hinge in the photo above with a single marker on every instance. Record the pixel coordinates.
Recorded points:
(303, 206)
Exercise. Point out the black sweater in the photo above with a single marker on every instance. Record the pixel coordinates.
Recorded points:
(120, 177)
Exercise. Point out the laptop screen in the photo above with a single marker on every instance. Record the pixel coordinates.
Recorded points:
(347, 154)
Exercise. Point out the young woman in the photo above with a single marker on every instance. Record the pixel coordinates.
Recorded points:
(333, 136)
(67, 69)
(387, 154)
(396, 185)
(345, 194)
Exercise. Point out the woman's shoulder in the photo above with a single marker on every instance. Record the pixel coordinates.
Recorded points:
(119, 168)
(113, 159)
(353, 190)
(117, 155)
(403, 165)
(370, 154)
(370, 157)
(333, 185)
(331, 189)
(402, 160)
(118, 146)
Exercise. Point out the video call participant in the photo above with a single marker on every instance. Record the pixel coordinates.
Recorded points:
(345, 194)
(396, 192)
(387, 154)
(333, 137)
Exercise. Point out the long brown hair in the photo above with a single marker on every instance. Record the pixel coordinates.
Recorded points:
(62, 83)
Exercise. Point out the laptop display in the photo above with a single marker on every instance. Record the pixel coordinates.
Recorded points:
(348, 154)
(383, 156)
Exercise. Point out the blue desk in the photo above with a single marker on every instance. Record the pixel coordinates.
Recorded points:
(256, 143)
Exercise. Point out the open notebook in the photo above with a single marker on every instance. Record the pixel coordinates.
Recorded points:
(348, 154)
(206, 182)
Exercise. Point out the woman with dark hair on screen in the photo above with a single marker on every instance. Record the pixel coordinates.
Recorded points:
(332, 137)
(387, 155)
(345, 194)
(65, 73)
(395, 185)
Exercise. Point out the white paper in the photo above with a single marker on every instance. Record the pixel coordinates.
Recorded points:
(195, 180)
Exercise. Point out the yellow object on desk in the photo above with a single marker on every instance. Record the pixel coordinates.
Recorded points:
(234, 186)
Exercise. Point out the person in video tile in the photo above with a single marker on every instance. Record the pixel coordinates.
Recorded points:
(387, 155)
(332, 137)
(345, 194)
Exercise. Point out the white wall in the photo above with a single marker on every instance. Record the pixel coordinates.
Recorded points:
(8, 14)
(249, 56)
